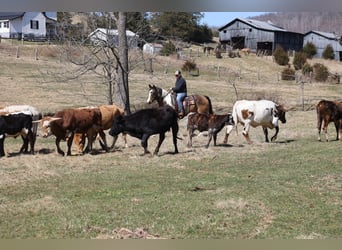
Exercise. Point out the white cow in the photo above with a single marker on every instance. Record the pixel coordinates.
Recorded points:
(28, 110)
(263, 113)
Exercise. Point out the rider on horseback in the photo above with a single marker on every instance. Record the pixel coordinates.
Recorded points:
(181, 91)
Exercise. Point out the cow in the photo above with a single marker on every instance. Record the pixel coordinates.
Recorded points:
(65, 123)
(16, 124)
(108, 114)
(329, 111)
(213, 123)
(25, 109)
(146, 122)
(263, 113)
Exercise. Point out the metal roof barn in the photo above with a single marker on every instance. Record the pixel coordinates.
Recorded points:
(259, 36)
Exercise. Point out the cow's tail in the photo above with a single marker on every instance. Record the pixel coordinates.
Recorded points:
(210, 105)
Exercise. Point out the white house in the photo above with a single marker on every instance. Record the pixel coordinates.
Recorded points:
(321, 40)
(109, 37)
(152, 48)
(28, 25)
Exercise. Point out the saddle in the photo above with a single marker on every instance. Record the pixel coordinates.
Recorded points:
(187, 102)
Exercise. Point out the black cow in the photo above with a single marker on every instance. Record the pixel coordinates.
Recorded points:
(212, 123)
(14, 125)
(144, 123)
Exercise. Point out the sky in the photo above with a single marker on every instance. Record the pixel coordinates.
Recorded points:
(218, 19)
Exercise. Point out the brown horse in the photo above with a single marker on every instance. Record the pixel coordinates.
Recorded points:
(193, 103)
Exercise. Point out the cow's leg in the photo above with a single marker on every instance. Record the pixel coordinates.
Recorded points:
(215, 138)
(245, 132)
(190, 135)
(144, 143)
(104, 145)
(59, 150)
(161, 139)
(274, 137)
(24, 147)
(228, 131)
(2, 151)
(210, 134)
(265, 133)
(124, 136)
(69, 143)
(30, 138)
(175, 129)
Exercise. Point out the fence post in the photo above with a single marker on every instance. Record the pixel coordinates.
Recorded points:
(302, 93)
(36, 53)
(17, 53)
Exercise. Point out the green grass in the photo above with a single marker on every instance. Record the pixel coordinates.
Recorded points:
(285, 190)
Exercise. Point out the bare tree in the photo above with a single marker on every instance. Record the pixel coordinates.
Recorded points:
(105, 55)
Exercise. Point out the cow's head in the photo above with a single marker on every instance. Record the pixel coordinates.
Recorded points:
(118, 126)
(279, 112)
(230, 120)
(45, 123)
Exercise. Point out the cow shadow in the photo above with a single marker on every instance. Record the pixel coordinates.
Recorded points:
(284, 141)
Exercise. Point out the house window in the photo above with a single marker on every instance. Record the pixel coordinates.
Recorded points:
(6, 24)
(34, 24)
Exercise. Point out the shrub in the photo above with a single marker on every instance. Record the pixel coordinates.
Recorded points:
(307, 68)
(299, 60)
(288, 74)
(321, 72)
(310, 49)
(168, 49)
(189, 65)
(328, 52)
(280, 56)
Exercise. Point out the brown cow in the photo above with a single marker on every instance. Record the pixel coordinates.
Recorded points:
(64, 124)
(108, 114)
(329, 111)
(207, 122)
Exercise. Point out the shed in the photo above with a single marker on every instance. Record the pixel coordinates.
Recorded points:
(258, 36)
(321, 40)
(152, 48)
(109, 37)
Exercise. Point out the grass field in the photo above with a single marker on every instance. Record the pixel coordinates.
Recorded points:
(290, 189)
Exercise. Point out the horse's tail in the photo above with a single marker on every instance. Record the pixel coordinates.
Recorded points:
(210, 106)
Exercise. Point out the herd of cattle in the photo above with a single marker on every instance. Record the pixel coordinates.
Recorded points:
(75, 125)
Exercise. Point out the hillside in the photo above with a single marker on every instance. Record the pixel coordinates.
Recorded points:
(303, 22)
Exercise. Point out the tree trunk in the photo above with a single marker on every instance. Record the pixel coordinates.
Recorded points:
(121, 93)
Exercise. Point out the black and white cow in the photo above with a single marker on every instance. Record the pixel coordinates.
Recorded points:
(15, 125)
(144, 123)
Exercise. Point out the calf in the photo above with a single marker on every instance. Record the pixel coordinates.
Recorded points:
(329, 111)
(14, 125)
(147, 122)
(207, 122)
(64, 124)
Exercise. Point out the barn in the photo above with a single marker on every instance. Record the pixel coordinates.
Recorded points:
(259, 36)
(321, 40)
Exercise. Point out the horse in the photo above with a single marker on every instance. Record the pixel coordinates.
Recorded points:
(193, 103)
